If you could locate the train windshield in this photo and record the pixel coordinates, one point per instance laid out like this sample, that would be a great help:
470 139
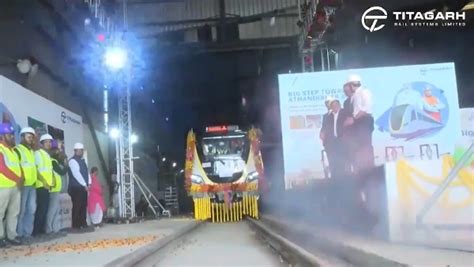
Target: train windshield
224 156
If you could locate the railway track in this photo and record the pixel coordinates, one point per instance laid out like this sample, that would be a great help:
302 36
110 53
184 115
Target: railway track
245 243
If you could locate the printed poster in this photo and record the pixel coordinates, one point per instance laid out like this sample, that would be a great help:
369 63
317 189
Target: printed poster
416 114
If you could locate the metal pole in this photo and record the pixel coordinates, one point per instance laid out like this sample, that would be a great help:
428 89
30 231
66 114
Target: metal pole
451 176
299 11
303 63
118 176
106 110
327 57
322 60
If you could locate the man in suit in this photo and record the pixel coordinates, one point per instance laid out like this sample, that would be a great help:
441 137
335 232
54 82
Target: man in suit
348 103
333 141
324 126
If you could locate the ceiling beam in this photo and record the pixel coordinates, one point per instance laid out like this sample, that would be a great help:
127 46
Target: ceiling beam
241 45
235 19
150 2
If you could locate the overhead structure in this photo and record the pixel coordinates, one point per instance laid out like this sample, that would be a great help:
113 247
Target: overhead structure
315 21
116 59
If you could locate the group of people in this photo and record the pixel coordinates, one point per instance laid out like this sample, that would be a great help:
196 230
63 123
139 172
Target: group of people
346 131
30 186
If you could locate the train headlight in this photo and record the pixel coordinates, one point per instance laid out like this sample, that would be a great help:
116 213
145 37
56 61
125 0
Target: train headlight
196 179
252 176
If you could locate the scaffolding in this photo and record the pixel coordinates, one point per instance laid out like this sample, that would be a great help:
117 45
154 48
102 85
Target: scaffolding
126 177
313 48
126 181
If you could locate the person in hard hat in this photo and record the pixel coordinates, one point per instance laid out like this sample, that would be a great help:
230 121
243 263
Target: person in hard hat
324 126
79 183
334 145
53 224
11 180
44 183
26 154
347 106
361 123
325 131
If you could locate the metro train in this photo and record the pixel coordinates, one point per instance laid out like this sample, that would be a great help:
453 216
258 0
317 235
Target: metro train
407 121
223 169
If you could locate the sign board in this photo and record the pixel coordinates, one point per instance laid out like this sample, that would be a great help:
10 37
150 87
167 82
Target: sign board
406 122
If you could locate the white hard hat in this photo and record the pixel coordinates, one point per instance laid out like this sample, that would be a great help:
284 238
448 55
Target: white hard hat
78 146
46 137
27 130
353 78
329 99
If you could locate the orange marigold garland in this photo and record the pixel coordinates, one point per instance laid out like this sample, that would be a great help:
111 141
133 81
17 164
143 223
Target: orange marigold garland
254 136
203 190
188 170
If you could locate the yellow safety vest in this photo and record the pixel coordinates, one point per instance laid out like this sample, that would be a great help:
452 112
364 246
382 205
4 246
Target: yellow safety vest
57 178
13 163
45 168
28 164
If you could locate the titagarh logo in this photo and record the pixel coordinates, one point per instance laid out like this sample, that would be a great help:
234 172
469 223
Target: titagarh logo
65 118
375 18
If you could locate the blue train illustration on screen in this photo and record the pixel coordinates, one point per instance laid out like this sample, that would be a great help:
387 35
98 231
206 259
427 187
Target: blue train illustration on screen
419 110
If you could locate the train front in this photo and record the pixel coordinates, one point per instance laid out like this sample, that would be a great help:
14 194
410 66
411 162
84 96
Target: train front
223 168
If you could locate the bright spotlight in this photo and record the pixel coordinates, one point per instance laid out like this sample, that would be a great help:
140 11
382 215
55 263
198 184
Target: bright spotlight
164 159
115 58
134 138
174 164
114 133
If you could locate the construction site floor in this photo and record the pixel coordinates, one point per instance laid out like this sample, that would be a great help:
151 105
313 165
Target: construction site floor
96 248
346 245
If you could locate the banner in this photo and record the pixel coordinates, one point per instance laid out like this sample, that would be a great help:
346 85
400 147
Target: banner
410 184
416 114
22 108
467 134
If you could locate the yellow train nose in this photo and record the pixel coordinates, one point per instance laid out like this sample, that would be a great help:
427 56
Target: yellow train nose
221 212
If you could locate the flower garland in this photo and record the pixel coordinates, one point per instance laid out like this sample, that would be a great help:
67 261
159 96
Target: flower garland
254 136
188 169
218 188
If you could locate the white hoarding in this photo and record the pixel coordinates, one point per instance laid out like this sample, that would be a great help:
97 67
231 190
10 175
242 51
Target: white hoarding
403 124
23 108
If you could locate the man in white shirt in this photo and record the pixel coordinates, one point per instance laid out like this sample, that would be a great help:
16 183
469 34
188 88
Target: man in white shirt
79 182
361 124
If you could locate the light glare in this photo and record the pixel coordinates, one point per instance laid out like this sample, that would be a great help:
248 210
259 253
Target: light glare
115 58
134 138
114 133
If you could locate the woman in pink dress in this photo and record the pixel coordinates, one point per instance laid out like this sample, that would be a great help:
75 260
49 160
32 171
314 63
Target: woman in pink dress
95 206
